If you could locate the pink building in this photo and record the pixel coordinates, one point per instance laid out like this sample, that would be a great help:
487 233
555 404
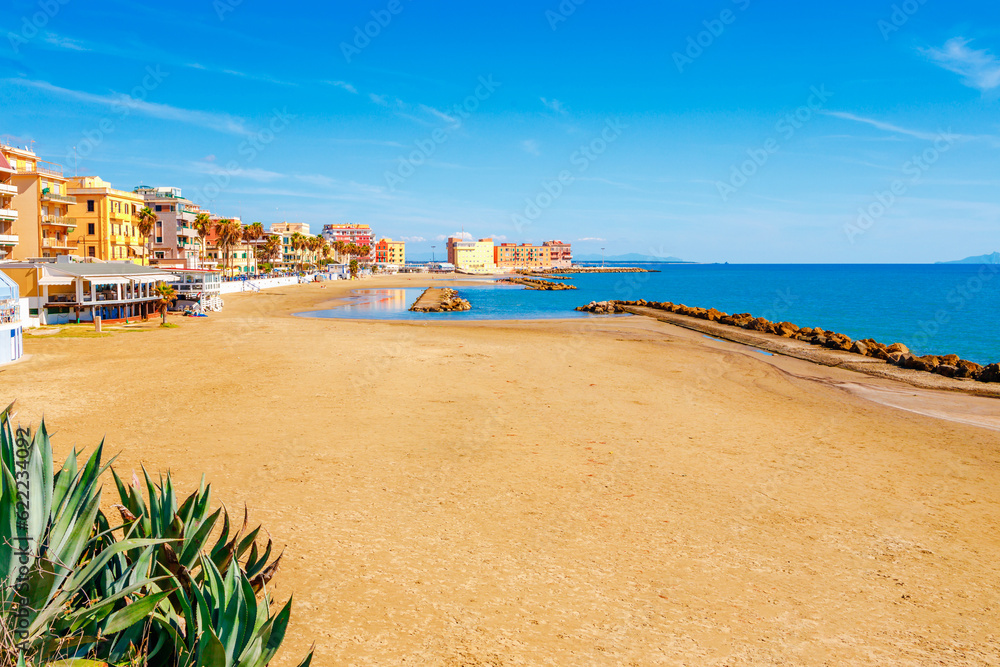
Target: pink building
561 254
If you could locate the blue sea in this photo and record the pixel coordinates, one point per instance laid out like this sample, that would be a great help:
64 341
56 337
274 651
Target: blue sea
933 309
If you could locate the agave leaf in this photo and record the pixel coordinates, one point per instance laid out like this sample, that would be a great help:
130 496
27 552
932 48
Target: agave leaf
267 574
212 653
196 543
132 614
308 659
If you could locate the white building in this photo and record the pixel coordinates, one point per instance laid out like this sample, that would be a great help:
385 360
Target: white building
11 326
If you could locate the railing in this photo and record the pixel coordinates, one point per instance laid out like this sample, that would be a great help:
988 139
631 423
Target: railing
45 172
8 239
8 213
59 220
55 243
53 196
8 189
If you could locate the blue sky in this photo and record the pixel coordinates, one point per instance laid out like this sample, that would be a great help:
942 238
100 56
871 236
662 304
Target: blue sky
733 130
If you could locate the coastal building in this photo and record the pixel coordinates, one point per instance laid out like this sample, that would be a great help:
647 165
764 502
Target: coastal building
292 258
61 291
290 228
198 290
236 261
174 235
106 221
8 214
11 325
390 252
560 253
524 256
41 226
359 235
471 256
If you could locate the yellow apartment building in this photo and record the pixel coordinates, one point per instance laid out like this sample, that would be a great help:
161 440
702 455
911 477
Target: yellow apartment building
41 226
106 221
471 256
524 256
392 252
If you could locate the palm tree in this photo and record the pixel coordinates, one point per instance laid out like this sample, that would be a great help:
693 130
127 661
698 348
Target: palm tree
147 221
365 251
270 250
299 243
324 249
228 234
167 296
339 247
203 225
253 233
354 268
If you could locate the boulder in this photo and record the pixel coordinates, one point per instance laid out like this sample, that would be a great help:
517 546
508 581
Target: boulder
860 347
946 370
967 369
990 374
899 347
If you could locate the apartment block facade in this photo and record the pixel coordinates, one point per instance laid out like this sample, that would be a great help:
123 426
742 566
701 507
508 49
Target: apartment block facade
392 252
106 221
42 226
359 235
524 256
174 235
471 256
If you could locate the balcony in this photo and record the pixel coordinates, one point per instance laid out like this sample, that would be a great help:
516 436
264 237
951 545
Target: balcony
59 221
188 232
8 189
62 244
53 197
8 214
8 239
42 171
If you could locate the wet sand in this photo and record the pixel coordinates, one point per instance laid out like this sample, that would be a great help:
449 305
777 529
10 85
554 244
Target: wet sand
578 492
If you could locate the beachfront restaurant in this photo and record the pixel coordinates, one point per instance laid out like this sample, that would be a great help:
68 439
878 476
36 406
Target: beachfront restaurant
70 292
198 289
11 327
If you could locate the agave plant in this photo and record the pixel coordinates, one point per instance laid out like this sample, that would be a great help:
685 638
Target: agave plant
55 553
161 595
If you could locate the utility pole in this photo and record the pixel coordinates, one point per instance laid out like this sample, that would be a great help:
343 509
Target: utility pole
602 258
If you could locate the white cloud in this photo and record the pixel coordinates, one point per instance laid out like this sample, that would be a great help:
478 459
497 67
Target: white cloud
123 103
465 236
888 127
589 238
379 99
978 69
344 86
498 237
555 105
451 120
530 146
414 239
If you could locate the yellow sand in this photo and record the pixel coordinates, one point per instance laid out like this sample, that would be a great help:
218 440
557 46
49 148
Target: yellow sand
599 492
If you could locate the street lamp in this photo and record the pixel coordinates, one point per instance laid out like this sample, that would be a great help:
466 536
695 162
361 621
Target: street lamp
432 253
602 258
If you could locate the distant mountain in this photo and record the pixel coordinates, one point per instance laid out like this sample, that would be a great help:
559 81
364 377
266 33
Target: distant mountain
630 257
993 258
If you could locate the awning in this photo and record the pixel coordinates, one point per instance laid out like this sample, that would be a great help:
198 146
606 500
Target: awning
154 279
49 278
107 280
4 165
138 249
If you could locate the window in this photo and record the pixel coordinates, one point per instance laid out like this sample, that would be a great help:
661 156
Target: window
91 251
159 239
159 209
90 207
90 229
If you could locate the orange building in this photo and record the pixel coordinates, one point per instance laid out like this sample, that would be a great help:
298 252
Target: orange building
524 256
40 227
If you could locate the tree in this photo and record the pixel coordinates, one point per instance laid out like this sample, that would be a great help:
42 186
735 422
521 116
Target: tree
298 243
252 233
167 295
339 247
365 251
228 234
324 249
354 268
147 221
203 225
270 250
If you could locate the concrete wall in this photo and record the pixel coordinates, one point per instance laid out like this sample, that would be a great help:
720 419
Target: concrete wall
237 286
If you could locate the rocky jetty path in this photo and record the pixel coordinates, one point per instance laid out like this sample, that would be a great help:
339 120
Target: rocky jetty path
440 300
530 283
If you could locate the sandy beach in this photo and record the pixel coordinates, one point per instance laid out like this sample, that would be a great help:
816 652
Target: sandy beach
608 491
